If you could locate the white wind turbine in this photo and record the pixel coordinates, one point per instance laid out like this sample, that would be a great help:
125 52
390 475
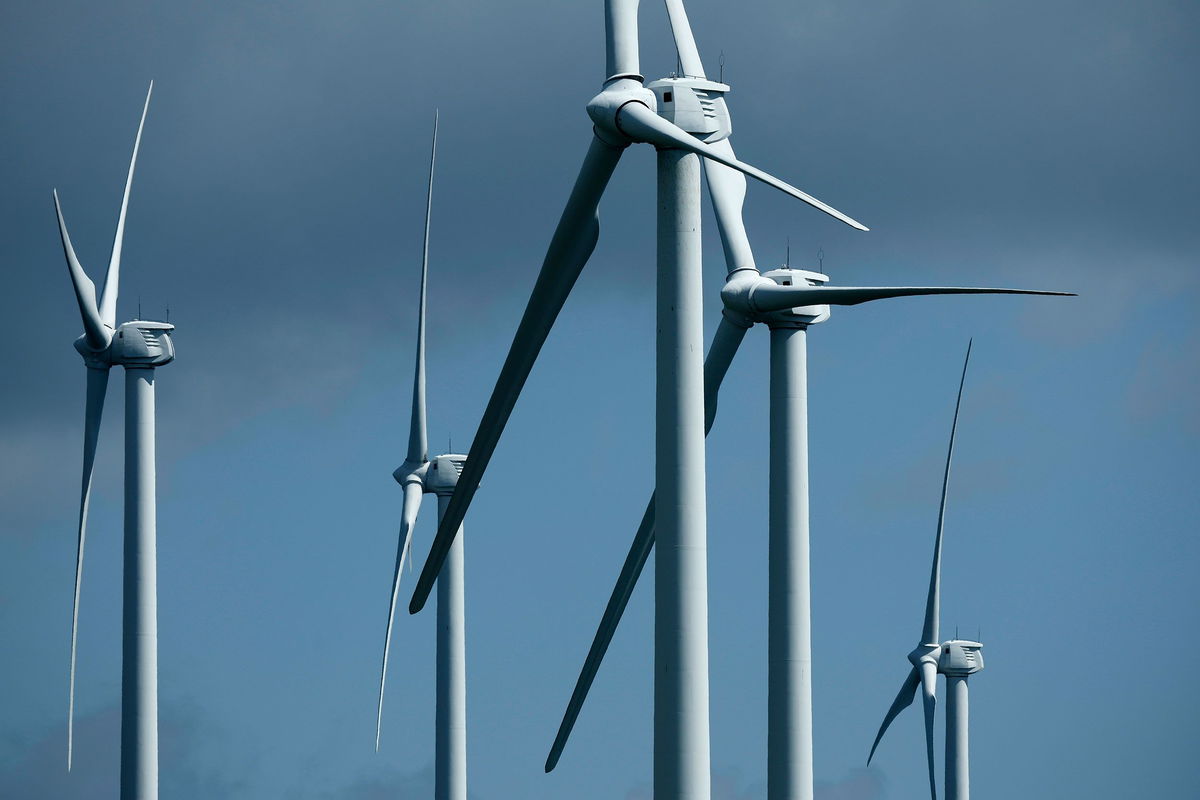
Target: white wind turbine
418 475
140 346
787 301
624 113
956 659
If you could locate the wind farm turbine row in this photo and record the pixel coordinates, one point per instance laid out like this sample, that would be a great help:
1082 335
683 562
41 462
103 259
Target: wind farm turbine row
686 118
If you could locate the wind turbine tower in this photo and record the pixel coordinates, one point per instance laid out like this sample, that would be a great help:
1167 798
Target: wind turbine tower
959 659
439 476
788 301
956 659
627 112
140 346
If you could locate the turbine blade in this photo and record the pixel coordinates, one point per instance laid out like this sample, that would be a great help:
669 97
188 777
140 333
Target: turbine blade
413 493
726 341
771 296
643 125
97 384
685 43
108 297
727 191
933 601
572 245
639 551
929 699
726 186
725 344
903 700
418 438
621 39
98 336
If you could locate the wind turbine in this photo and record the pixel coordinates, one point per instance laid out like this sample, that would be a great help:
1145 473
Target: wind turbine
418 475
956 659
139 346
787 301
624 113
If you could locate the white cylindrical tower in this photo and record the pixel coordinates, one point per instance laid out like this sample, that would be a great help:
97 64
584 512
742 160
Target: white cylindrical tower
789 613
450 759
957 660
139 651
681 738
958 773
789 636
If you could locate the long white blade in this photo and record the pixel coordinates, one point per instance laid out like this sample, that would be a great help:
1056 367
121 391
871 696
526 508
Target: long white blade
572 245
904 698
685 43
98 336
725 344
97 385
418 438
771 296
930 634
643 125
108 297
621 38
726 186
413 492
727 191
929 701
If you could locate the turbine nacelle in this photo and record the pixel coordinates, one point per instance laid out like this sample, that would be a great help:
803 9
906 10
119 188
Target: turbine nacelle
739 291
799 315
444 472
696 105
960 657
140 343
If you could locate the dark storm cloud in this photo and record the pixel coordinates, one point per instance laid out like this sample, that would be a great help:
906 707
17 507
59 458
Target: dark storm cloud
277 210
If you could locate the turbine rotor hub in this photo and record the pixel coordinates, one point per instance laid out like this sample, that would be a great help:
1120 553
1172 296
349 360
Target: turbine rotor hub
410 472
605 108
95 359
924 654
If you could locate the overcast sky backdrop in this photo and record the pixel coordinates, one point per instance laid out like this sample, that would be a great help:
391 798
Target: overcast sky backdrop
277 211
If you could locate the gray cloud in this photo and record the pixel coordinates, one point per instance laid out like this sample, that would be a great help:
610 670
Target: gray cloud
185 738
860 784
417 785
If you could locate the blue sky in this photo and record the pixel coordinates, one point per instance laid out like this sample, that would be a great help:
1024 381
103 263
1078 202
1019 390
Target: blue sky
277 211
